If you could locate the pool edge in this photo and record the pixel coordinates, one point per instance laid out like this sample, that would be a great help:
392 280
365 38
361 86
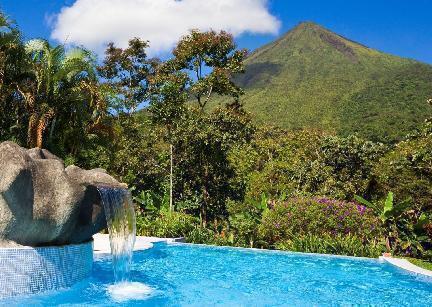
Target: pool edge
407 266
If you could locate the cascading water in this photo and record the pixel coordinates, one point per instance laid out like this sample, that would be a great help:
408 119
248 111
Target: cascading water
121 222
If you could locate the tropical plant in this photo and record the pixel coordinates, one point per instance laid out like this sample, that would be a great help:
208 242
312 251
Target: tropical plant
167 224
13 64
62 90
151 203
244 221
350 245
404 227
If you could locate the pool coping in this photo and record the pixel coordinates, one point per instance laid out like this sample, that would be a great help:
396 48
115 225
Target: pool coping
407 266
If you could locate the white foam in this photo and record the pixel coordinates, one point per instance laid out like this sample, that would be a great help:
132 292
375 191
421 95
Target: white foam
126 291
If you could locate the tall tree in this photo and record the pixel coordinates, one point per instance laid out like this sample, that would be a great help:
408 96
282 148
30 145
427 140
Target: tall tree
167 106
127 72
62 87
210 60
12 65
202 65
203 169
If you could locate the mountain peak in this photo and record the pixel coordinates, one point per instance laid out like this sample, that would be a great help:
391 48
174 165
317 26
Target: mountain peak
308 25
309 35
312 77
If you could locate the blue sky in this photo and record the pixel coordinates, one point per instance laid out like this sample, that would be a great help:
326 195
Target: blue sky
399 27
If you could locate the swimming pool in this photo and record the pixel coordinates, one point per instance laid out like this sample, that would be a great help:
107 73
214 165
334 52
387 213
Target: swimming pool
193 275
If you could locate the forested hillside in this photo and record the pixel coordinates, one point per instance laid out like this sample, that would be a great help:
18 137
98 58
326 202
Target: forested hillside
314 78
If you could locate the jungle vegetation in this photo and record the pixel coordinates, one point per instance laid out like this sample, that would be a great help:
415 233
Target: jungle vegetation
199 165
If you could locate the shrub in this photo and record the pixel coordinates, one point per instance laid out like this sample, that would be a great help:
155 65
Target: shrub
302 217
406 171
326 244
244 220
167 224
405 228
202 235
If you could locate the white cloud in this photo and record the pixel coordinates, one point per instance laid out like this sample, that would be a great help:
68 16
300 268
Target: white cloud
94 23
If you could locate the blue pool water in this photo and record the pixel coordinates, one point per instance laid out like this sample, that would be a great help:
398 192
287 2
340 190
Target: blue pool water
191 275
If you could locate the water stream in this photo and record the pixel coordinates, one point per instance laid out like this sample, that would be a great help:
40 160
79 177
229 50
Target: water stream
120 216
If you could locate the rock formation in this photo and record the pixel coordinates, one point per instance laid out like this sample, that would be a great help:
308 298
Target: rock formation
44 203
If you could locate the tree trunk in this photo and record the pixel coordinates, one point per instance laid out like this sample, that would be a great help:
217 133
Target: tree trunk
203 214
32 131
388 244
51 134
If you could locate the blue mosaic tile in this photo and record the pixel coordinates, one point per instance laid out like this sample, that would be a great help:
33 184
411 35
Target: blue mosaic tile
33 270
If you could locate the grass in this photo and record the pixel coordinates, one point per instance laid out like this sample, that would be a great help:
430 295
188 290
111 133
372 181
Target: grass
420 263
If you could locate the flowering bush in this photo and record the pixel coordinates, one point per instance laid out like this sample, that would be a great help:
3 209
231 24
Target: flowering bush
300 217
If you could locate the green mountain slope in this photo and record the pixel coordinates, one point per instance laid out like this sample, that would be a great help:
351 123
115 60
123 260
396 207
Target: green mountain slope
314 78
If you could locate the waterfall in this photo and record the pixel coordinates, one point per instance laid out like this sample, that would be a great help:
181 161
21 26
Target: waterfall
120 216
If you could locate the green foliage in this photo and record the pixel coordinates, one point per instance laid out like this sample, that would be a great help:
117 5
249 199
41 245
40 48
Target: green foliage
274 162
127 73
313 78
61 95
298 217
244 221
305 162
201 235
150 203
137 154
343 167
206 235
49 96
404 227
406 169
201 145
202 65
167 225
421 263
13 64
337 245
215 52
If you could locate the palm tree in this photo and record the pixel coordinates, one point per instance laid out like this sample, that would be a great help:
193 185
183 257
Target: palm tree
63 83
12 54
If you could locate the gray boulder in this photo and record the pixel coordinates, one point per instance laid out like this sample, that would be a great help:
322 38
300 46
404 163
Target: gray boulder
42 203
